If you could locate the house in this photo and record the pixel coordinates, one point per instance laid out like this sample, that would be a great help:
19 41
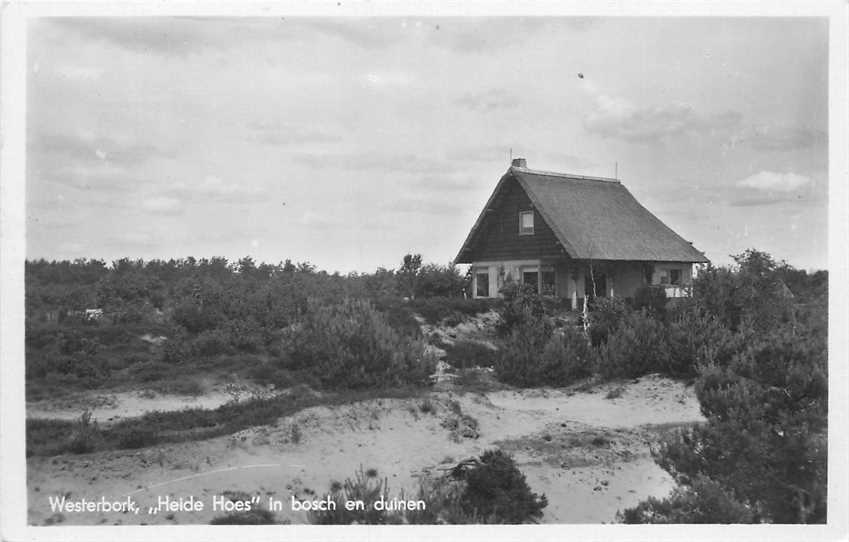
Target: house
574 237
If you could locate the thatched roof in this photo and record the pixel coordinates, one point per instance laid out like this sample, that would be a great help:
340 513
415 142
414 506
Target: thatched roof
596 218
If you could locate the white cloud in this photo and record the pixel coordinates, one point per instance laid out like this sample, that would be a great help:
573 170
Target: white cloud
771 180
616 117
79 73
387 79
162 205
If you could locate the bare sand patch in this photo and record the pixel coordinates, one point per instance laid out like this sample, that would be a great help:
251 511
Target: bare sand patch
554 435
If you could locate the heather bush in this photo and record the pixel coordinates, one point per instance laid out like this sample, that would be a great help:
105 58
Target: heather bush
653 299
464 354
496 490
606 315
519 305
520 357
437 309
703 501
367 487
254 516
86 435
351 345
695 339
568 356
211 342
638 346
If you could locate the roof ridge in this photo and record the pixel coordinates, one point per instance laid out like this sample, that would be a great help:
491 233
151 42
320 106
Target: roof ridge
565 175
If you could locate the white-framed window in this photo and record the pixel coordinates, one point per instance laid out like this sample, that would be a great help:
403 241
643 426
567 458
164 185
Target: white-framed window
526 222
482 283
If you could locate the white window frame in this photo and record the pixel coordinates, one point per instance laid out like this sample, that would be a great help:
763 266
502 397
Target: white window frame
522 230
482 271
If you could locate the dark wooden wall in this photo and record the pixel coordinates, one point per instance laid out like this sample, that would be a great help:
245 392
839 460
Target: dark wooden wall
498 237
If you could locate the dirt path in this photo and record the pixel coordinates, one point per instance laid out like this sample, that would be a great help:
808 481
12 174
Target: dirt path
588 453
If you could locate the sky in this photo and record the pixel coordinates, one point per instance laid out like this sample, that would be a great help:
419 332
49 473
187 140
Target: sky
351 142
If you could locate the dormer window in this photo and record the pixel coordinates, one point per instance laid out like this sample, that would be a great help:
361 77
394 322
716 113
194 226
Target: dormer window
526 223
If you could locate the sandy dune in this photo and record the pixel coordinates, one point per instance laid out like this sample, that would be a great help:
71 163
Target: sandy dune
587 453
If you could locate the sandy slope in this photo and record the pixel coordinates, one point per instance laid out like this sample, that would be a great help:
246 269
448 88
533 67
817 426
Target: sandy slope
108 407
587 453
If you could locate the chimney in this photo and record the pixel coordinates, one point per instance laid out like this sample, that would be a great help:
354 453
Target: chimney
520 162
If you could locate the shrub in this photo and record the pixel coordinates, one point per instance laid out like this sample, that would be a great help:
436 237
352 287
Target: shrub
211 342
696 339
519 359
86 435
519 304
436 280
606 315
637 346
568 356
704 501
365 487
134 437
254 516
351 345
496 490
443 495
437 309
465 354
652 299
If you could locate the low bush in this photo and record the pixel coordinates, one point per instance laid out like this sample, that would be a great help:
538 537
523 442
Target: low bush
703 501
211 342
519 360
568 356
254 516
436 309
86 435
367 487
132 437
496 490
350 345
466 354
652 299
519 304
637 346
606 315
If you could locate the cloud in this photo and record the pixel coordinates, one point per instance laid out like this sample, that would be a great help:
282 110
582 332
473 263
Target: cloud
490 100
215 189
777 182
88 148
372 161
172 36
387 79
162 205
759 201
772 137
445 183
366 32
618 118
276 134
476 35
421 206
79 73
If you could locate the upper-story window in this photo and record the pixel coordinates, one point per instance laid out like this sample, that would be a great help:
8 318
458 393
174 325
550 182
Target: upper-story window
526 223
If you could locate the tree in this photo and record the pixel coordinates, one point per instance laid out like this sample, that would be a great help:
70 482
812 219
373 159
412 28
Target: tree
408 274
